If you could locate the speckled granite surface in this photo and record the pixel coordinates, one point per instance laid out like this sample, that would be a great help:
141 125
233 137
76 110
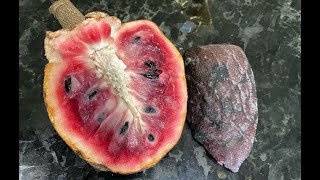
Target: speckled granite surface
268 31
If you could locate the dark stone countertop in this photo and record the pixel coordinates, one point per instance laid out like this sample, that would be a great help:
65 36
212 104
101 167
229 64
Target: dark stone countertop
268 31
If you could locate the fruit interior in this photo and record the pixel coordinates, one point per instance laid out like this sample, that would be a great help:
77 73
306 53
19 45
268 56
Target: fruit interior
116 94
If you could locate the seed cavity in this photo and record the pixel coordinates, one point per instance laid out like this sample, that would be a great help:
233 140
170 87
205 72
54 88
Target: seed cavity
92 94
152 65
150 109
124 128
150 137
152 75
67 84
101 117
136 39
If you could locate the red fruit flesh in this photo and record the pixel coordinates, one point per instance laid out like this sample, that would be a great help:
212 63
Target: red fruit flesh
116 94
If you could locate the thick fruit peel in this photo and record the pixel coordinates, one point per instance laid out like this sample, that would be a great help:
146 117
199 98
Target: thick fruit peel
222 108
116 93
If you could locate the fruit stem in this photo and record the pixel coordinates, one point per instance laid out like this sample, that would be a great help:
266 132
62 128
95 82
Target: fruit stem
66 13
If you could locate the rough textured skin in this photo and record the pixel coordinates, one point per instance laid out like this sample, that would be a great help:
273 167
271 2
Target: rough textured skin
222 107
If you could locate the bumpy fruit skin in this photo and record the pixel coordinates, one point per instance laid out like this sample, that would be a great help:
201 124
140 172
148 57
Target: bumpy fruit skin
59 118
222 104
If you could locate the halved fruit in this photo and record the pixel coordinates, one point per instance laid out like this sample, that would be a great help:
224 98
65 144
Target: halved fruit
115 93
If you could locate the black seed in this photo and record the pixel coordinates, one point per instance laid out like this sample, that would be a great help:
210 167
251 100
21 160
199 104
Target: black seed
151 65
124 128
149 109
151 137
67 84
136 39
151 75
91 95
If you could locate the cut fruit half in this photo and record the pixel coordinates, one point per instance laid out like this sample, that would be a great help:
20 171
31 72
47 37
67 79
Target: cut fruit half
115 93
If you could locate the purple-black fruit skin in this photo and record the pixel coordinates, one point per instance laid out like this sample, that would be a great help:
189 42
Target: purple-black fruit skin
222 106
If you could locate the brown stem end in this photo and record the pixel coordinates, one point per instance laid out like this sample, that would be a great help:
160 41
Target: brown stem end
66 13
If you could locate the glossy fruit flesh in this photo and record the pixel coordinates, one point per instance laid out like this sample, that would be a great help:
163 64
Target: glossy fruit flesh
115 93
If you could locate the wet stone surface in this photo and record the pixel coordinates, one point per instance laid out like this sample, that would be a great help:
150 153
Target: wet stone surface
269 33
